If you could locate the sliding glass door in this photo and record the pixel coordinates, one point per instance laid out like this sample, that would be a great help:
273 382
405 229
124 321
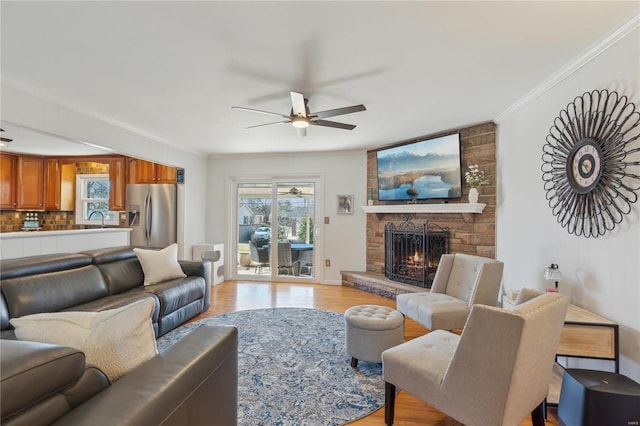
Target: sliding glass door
275 232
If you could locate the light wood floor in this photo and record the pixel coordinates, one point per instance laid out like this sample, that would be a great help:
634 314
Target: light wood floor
231 296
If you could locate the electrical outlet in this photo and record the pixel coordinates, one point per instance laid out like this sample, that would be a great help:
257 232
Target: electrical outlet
326 220
327 262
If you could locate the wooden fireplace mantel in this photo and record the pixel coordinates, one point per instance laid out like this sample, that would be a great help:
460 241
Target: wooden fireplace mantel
426 208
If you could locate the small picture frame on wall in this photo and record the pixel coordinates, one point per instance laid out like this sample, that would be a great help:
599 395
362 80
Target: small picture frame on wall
345 204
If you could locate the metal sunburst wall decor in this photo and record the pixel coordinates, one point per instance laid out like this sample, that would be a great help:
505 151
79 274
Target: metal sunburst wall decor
591 163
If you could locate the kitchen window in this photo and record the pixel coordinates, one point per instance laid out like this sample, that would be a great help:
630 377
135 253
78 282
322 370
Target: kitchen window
92 201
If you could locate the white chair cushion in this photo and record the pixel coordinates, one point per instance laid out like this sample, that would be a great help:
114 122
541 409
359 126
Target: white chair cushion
426 358
434 310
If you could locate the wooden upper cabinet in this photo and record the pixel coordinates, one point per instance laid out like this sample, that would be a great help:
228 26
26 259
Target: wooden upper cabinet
141 171
67 186
30 183
145 171
7 181
117 184
165 174
52 184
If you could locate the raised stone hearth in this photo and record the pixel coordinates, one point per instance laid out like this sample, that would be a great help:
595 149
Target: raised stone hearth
377 284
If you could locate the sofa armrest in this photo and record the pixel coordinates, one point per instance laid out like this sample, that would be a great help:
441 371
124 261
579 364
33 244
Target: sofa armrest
41 381
194 380
202 269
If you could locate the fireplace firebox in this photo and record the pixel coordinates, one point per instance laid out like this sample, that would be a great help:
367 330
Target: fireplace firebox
413 251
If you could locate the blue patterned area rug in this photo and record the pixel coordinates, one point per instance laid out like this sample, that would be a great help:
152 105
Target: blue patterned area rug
294 369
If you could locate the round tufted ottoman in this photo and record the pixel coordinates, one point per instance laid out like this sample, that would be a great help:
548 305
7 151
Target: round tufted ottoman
371 330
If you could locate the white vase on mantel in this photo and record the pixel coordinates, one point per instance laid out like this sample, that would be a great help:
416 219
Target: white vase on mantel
473 195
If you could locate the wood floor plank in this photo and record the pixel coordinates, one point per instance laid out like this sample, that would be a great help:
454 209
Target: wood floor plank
231 296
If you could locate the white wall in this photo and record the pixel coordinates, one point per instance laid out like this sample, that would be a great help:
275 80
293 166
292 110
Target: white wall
602 275
33 111
344 238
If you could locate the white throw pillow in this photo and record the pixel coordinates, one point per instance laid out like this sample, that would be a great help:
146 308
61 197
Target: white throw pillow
115 340
159 265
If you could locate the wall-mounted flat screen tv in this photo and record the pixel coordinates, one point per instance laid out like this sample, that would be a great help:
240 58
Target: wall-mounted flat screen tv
421 170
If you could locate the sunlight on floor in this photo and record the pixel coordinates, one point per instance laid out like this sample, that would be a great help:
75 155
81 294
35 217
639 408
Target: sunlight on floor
271 295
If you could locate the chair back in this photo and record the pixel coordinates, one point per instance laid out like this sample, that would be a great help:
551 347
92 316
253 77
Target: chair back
473 279
501 368
259 255
284 254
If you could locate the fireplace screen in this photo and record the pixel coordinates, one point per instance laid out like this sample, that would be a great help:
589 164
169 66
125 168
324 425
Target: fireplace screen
412 252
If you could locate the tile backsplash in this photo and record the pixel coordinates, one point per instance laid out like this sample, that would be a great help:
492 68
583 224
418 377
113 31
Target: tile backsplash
12 221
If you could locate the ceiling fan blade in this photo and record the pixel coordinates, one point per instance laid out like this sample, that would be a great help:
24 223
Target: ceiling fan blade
302 131
335 124
297 103
261 112
268 124
339 111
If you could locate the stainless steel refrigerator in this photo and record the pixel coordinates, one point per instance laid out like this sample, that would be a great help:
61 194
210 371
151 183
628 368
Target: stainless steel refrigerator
152 211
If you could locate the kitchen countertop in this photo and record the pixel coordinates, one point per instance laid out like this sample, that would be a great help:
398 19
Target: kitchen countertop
27 234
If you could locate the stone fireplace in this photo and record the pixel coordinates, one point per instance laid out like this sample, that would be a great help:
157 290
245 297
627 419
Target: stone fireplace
413 251
470 232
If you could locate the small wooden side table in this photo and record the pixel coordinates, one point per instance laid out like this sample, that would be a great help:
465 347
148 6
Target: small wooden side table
584 335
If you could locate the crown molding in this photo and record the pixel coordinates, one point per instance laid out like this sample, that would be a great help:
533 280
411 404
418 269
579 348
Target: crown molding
591 53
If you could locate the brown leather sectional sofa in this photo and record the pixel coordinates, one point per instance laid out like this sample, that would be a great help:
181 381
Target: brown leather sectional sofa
193 382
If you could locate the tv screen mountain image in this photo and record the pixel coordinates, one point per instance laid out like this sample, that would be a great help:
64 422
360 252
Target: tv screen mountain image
430 167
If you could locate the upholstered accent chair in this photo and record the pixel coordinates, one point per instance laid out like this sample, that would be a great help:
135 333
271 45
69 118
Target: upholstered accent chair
495 373
461 281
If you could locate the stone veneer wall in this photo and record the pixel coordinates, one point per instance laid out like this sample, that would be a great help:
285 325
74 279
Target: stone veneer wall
471 233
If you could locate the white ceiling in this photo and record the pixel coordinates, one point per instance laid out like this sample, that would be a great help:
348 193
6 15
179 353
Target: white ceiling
174 69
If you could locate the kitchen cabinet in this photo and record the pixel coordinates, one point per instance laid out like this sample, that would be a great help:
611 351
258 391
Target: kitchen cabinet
7 181
30 183
165 174
117 180
52 184
67 187
141 171
117 183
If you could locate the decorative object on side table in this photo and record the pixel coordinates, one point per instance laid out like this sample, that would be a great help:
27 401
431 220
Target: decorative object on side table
552 273
589 163
474 178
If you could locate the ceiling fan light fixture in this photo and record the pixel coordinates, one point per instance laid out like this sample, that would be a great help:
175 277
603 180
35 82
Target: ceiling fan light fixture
300 122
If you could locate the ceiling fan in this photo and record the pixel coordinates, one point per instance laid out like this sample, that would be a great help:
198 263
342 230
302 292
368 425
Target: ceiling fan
294 192
301 117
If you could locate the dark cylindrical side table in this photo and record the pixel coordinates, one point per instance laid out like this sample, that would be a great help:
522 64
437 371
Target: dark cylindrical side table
595 398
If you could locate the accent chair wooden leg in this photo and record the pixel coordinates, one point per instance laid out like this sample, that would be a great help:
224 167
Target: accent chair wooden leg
354 362
537 415
389 402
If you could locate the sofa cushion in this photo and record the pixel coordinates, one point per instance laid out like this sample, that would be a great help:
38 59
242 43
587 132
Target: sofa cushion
41 382
42 264
120 267
115 340
159 265
32 371
176 293
53 291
